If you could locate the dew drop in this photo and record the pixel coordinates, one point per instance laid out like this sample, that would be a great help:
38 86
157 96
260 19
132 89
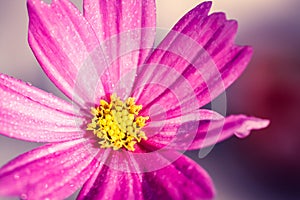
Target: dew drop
16 176
51 150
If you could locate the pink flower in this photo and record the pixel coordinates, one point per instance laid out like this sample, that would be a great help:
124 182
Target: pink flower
122 150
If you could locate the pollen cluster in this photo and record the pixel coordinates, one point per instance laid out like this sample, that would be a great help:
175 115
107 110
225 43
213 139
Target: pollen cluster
117 124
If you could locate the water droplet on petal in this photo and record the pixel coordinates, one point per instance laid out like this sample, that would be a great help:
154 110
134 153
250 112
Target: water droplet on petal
16 176
51 150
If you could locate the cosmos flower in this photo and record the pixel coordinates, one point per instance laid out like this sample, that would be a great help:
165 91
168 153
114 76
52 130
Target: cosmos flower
133 109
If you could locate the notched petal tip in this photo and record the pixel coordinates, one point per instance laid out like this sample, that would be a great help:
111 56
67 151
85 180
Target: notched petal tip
233 24
246 56
206 4
202 9
249 50
34 3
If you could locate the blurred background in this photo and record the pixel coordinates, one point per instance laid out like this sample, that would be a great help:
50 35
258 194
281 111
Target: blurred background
265 165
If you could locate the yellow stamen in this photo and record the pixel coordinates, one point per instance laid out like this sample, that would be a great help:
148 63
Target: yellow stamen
117 124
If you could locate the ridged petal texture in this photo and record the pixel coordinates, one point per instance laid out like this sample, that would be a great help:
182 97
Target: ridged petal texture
53 171
28 113
181 179
194 63
63 42
182 134
126 30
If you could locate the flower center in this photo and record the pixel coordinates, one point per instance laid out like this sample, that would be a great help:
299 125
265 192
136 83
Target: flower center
117 124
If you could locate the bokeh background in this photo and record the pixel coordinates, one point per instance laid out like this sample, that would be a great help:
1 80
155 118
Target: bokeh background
266 165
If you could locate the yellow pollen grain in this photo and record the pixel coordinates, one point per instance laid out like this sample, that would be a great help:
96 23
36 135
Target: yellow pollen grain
117 124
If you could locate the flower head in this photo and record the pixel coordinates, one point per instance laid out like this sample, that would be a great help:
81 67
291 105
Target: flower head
132 107
117 123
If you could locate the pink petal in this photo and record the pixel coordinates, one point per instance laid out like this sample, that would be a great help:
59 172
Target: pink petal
109 18
126 30
171 132
28 113
111 179
179 178
182 179
106 183
210 133
189 135
67 49
53 171
194 63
